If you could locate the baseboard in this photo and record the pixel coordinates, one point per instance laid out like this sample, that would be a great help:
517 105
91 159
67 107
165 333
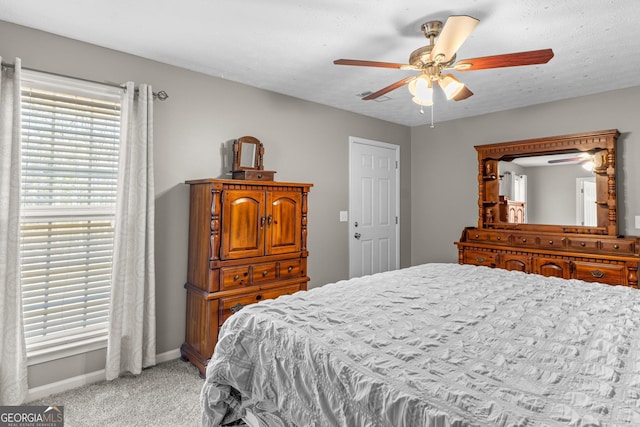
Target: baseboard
168 355
89 378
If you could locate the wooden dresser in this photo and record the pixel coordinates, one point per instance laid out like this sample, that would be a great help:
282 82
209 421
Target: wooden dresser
247 243
606 259
591 253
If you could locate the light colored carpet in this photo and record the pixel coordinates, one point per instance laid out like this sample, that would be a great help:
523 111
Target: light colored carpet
167 394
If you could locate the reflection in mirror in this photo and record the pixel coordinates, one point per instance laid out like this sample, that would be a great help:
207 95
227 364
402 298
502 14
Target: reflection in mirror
551 189
248 155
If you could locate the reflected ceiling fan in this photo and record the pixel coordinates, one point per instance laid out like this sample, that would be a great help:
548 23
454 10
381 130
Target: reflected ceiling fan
440 55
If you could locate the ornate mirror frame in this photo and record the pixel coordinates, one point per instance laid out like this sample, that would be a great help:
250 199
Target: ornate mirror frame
247 154
600 144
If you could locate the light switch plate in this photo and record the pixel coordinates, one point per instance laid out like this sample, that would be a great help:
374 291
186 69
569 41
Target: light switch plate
638 222
344 216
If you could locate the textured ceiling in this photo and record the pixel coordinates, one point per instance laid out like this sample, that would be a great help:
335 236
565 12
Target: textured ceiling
289 46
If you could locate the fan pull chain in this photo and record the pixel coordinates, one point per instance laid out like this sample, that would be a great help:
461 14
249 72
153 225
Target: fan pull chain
432 125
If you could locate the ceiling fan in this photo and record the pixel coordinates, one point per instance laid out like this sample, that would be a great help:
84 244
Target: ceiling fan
440 55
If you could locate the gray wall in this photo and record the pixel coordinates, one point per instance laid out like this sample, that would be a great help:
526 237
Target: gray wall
551 193
304 142
446 154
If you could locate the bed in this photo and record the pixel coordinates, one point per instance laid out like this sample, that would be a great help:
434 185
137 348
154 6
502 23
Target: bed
432 345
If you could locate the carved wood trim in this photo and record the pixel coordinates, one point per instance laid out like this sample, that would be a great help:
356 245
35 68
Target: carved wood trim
554 144
215 225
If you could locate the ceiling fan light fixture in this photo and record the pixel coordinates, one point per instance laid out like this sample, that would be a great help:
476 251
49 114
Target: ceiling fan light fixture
422 90
419 101
451 86
589 164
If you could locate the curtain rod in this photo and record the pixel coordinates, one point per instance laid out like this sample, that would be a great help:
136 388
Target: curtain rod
161 95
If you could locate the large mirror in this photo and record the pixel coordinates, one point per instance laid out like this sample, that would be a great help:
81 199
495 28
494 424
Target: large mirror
564 183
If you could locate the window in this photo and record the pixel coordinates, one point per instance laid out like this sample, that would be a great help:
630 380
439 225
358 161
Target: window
70 143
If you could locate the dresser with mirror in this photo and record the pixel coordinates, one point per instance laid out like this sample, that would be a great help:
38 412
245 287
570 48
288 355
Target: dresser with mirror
567 228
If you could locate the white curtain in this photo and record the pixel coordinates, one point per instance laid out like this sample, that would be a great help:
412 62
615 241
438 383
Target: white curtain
132 321
13 353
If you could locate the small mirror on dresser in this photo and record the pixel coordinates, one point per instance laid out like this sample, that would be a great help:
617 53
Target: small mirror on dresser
248 154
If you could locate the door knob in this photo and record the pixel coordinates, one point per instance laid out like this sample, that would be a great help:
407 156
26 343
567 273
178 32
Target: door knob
357 236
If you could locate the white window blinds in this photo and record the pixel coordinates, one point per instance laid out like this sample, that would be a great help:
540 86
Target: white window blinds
70 142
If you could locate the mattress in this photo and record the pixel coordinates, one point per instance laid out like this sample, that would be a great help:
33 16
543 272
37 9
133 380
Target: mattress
432 345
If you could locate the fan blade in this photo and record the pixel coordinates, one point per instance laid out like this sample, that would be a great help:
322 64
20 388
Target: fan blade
507 60
454 33
463 94
389 88
570 159
369 63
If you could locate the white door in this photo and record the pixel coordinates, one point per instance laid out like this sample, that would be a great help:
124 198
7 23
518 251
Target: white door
586 202
373 207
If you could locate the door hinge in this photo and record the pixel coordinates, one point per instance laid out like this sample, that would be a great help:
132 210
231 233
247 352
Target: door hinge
396 220
396 164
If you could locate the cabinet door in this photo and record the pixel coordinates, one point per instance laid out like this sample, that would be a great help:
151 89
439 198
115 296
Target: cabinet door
552 267
515 262
284 222
243 224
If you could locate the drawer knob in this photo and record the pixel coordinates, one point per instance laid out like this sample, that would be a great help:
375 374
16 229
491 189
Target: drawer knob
582 243
236 277
597 274
524 240
480 259
258 297
264 273
477 235
236 308
290 269
616 246
551 242
499 237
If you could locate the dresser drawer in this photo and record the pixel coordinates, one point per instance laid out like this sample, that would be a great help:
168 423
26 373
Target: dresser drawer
521 239
290 268
618 246
487 259
231 305
582 243
477 236
234 277
264 272
612 274
551 241
488 236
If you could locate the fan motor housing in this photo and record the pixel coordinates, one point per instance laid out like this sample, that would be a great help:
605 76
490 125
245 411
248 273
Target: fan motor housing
431 28
421 56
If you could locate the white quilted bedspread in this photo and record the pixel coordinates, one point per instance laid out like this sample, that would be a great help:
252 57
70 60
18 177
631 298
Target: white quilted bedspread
432 345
